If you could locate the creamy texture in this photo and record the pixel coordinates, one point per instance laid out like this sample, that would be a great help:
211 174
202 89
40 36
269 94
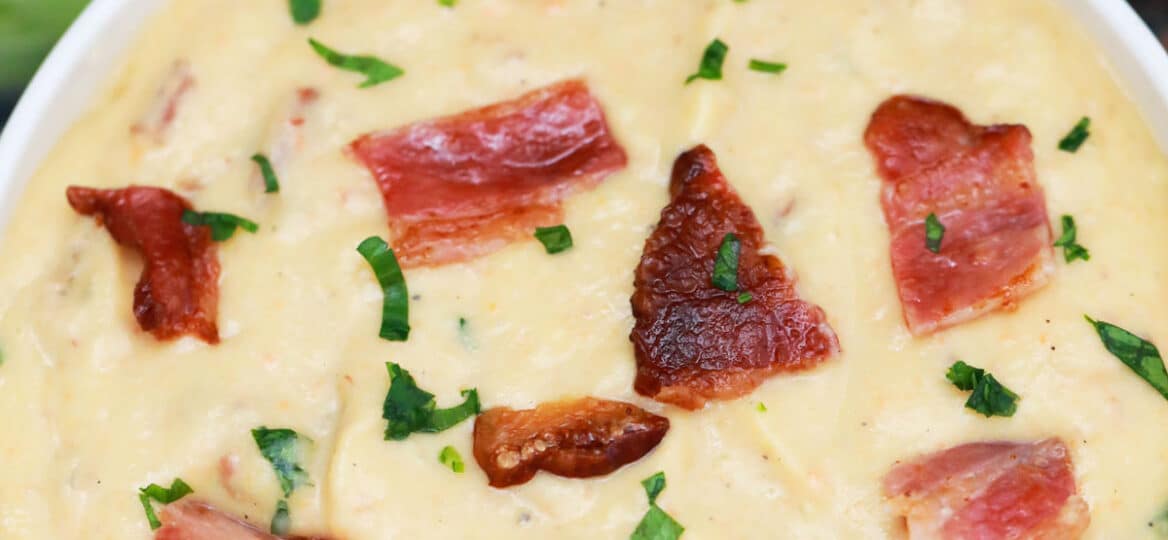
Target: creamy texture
94 408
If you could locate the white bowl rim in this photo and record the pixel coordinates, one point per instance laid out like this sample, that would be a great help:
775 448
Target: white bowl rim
1140 60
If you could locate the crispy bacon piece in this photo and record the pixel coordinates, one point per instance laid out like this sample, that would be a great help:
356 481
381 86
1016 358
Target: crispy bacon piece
981 183
189 519
178 292
695 342
155 123
464 186
285 136
578 439
990 491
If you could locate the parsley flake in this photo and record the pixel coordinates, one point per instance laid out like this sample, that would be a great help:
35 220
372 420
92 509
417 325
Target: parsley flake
1076 137
767 67
1071 249
304 11
989 397
271 183
447 3
1138 354
222 225
745 297
375 69
409 409
934 233
656 525
711 65
281 521
395 305
451 458
281 448
554 239
178 489
725 275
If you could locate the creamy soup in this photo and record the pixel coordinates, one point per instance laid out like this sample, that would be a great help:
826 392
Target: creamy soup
95 408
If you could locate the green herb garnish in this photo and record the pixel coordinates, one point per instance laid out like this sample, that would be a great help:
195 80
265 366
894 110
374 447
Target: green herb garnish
554 239
447 3
989 397
409 409
1071 249
464 334
395 306
761 407
280 447
725 275
222 225
712 59
1141 356
656 525
375 70
281 521
767 67
450 458
1076 136
745 297
304 11
934 233
271 183
178 489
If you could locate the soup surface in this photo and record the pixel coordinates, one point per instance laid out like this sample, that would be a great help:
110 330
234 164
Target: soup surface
95 408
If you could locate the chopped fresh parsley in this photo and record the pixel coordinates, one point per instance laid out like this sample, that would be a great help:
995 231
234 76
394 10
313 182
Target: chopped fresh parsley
304 11
447 3
1159 524
271 183
375 70
1071 249
395 306
656 525
281 448
712 59
281 521
178 489
222 225
989 397
554 239
745 297
934 232
464 334
450 458
1076 136
767 67
725 275
1140 355
761 407
409 409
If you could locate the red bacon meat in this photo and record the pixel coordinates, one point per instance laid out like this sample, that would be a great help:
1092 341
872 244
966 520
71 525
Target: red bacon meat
155 122
981 183
194 520
695 342
178 292
578 439
460 187
990 491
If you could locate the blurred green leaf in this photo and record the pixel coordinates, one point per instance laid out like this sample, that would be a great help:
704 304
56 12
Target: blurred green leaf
28 29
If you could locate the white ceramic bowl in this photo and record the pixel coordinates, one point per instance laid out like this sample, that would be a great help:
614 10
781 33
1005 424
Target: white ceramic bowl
80 64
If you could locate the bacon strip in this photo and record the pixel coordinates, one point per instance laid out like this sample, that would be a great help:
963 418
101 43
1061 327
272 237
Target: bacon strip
285 136
189 519
157 120
178 292
990 491
578 439
694 342
464 186
981 183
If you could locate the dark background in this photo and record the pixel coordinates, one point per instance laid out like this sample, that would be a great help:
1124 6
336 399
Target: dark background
1155 12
